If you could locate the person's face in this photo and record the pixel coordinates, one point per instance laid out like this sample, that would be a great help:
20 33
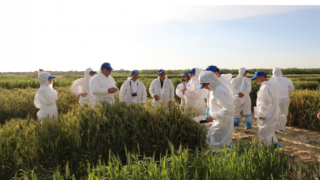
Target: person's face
105 72
218 74
206 86
245 74
50 81
134 77
260 79
162 76
192 75
185 78
91 75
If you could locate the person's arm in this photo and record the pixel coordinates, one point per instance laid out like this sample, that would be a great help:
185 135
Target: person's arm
179 93
290 86
234 84
196 92
143 93
171 90
223 99
123 92
266 103
96 88
75 86
152 89
247 89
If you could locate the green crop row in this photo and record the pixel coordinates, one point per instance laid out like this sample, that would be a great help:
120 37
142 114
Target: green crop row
86 134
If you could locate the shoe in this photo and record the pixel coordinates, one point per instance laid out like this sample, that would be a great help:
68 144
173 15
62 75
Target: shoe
248 126
236 121
277 145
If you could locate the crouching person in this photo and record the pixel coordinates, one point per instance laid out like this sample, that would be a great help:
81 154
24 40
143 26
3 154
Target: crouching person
268 108
133 91
46 98
221 110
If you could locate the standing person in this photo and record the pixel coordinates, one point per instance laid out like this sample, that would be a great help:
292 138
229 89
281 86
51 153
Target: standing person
242 100
180 88
268 108
221 111
132 90
193 95
46 98
285 86
82 87
103 86
161 89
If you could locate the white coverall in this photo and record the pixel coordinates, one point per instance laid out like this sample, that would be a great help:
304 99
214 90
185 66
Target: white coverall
285 86
46 98
268 108
242 84
221 110
165 94
82 85
180 94
99 86
128 88
194 96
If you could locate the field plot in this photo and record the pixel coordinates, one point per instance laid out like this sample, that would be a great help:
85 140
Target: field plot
140 142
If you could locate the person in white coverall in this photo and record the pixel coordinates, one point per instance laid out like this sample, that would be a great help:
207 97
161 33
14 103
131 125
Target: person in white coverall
221 111
268 108
285 86
103 86
161 89
194 96
132 90
181 88
82 87
242 100
46 98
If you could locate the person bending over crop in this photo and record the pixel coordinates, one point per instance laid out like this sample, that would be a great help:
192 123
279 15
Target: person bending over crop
161 89
268 108
221 110
103 86
82 87
46 98
132 90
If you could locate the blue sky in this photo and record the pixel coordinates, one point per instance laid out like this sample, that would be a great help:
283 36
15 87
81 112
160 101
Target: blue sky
76 36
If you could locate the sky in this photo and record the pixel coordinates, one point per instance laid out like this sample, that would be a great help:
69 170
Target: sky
76 34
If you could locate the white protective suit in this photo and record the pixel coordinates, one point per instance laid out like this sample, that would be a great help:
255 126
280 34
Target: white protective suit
99 86
242 84
165 94
268 107
221 109
285 86
180 94
195 96
82 85
129 87
46 98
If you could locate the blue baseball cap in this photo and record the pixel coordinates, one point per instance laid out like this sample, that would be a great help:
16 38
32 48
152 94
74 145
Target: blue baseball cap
257 74
134 72
211 68
51 77
106 66
185 74
221 72
247 71
92 72
160 71
193 71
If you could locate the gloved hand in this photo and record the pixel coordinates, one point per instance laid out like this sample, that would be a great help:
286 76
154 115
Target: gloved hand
207 112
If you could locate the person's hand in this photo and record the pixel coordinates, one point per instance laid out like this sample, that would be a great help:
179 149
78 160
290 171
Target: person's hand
83 94
318 116
261 117
156 97
184 89
112 90
209 118
241 95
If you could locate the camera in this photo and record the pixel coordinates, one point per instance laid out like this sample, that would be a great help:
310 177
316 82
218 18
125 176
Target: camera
134 94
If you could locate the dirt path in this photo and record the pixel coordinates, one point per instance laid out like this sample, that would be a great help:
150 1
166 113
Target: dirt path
302 143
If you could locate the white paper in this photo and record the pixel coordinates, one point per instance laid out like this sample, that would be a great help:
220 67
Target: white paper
202 117
256 111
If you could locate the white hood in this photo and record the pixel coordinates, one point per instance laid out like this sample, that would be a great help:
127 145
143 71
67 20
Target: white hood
210 77
277 72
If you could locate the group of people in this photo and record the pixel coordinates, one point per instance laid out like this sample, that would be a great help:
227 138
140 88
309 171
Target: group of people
211 92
